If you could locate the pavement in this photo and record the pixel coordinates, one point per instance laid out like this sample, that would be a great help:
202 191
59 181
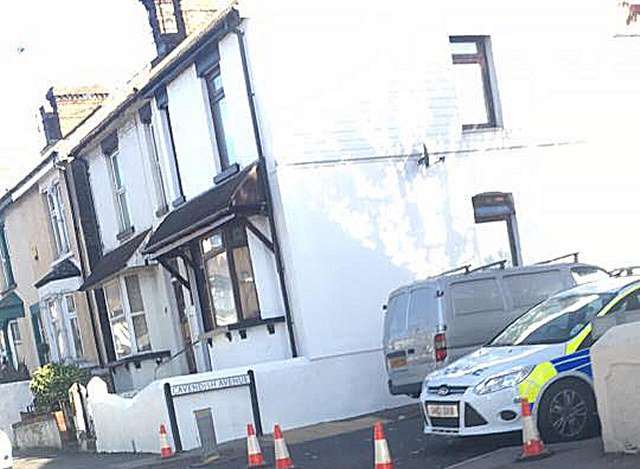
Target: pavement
345 444
586 454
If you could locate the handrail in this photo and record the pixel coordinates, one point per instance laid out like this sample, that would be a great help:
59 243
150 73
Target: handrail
501 263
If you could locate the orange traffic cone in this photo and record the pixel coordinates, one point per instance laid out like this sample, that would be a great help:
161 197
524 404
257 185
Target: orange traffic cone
165 447
532 445
283 460
256 459
383 456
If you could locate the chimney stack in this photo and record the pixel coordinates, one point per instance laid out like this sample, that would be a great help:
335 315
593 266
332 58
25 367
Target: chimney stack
66 108
172 21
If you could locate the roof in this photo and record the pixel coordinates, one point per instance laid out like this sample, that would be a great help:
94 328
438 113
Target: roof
113 262
608 285
241 191
60 271
11 307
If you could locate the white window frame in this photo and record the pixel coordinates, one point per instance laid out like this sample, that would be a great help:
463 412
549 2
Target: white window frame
46 322
57 219
119 192
156 167
72 316
128 315
13 325
8 280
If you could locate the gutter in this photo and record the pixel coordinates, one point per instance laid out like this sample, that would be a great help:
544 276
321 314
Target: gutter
267 190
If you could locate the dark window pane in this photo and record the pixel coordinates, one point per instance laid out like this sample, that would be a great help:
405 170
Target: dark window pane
142 333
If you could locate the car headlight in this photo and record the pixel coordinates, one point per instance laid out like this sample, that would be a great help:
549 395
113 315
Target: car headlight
503 381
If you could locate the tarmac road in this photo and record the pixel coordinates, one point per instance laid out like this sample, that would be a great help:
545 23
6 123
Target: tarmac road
344 444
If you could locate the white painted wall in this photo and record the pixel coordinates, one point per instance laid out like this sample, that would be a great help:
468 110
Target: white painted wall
330 383
16 397
344 116
192 132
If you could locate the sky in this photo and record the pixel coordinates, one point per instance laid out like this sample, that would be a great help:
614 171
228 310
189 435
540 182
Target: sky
64 43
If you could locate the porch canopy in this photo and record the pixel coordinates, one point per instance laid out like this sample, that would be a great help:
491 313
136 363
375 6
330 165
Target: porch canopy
113 262
240 194
61 271
11 307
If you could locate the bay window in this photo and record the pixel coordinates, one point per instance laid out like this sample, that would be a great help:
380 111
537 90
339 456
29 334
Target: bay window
76 336
229 274
127 316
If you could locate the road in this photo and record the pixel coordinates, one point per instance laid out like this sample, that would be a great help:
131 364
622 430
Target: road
339 445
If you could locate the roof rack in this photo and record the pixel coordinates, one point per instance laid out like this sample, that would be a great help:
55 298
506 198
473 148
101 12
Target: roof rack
501 264
624 271
453 271
549 261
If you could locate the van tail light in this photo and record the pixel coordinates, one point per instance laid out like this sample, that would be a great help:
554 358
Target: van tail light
440 346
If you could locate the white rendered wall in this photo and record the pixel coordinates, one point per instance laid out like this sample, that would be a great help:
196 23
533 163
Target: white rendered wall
16 397
344 117
134 169
123 424
192 132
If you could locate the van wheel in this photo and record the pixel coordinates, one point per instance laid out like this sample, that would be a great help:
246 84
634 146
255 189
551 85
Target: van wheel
567 412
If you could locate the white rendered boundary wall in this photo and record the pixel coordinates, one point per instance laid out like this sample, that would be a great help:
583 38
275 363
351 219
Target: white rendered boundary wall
293 393
15 398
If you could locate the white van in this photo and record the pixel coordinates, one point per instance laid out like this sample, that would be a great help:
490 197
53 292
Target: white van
432 322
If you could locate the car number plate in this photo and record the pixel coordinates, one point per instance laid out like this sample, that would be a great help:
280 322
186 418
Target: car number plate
397 362
442 410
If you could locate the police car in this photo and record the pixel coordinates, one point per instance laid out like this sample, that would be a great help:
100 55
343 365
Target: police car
543 356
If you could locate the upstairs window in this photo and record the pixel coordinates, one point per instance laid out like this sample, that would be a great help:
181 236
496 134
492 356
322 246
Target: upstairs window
119 192
220 115
475 88
156 169
229 274
5 262
57 220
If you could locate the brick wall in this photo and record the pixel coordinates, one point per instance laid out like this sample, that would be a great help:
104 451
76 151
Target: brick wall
198 13
76 104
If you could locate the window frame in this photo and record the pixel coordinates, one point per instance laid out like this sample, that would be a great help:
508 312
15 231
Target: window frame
17 338
483 59
57 220
128 315
215 97
8 279
156 168
225 231
119 191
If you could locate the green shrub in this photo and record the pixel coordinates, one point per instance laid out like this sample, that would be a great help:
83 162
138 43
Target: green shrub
50 384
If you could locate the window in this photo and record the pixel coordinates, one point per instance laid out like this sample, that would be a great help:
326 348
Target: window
119 192
76 336
15 332
7 272
136 306
166 14
530 289
473 81
60 342
476 296
220 115
57 220
156 169
586 274
229 274
127 316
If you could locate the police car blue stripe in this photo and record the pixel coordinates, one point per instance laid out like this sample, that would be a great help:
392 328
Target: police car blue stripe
572 356
586 369
570 365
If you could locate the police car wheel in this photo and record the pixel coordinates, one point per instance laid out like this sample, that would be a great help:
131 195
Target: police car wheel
567 412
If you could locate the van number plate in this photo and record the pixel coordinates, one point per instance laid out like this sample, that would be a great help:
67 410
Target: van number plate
442 410
397 362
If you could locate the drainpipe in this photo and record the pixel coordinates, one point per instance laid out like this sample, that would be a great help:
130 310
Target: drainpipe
76 231
267 189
